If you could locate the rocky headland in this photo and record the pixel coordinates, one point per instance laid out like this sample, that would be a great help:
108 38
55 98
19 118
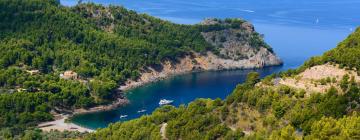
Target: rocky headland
238 48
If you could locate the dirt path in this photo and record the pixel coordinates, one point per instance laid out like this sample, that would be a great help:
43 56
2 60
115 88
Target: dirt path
163 131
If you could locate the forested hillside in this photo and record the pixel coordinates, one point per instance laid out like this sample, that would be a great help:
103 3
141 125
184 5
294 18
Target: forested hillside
105 46
55 58
263 109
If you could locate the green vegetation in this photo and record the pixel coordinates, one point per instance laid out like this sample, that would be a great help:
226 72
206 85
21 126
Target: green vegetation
346 55
196 121
267 111
279 109
39 135
104 46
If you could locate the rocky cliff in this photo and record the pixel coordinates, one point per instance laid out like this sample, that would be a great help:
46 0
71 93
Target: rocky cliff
241 42
239 47
235 45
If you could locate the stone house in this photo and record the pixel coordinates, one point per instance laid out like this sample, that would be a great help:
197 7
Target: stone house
69 75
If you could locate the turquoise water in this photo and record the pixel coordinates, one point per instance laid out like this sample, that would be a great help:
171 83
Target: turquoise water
296 30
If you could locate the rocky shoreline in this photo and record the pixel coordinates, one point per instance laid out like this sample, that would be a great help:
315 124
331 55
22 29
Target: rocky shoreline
236 50
61 120
119 102
198 63
188 64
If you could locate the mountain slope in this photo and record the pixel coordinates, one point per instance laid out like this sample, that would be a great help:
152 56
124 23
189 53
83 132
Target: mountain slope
55 59
266 109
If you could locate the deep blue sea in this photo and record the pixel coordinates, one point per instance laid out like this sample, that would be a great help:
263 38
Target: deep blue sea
296 29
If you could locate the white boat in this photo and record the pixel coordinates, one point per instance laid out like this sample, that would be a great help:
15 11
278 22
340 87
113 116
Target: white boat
165 102
123 116
141 111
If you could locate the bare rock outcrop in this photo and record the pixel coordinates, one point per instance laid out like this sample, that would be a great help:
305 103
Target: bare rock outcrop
237 39
319 79
240 47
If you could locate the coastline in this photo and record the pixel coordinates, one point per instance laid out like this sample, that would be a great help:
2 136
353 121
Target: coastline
119 102
188 64
61 125
233 53
62 122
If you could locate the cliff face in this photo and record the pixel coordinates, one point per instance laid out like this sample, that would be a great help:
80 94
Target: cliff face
237 45
213 44
237 49
240 43
197 62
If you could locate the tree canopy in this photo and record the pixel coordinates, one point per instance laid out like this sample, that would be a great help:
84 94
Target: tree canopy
104 46
264 111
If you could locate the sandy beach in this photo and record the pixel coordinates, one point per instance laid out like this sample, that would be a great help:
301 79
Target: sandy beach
60 125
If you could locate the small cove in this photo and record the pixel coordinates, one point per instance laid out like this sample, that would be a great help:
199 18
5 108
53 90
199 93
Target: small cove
291 29
182 89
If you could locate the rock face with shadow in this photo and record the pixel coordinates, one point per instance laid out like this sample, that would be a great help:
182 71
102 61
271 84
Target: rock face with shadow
239 43
237 47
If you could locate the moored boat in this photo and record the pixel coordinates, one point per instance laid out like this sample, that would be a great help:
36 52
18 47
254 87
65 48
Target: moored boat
123 116
165 102
141 111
